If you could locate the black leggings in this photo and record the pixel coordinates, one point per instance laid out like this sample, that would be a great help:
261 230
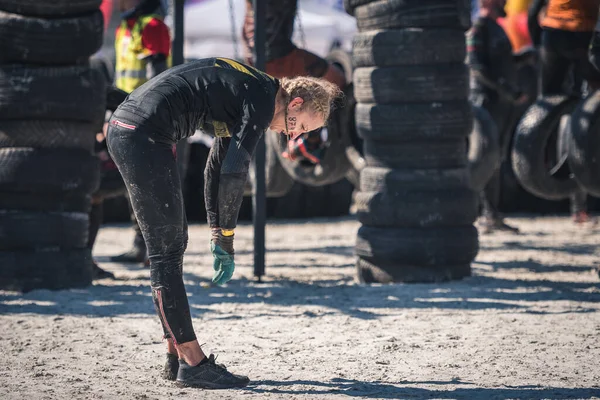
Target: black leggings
150 172
561 51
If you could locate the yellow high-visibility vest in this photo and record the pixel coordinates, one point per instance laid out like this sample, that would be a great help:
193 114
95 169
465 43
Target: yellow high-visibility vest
130 68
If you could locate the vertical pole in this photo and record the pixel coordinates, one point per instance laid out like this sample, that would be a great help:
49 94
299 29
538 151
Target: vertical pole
259 197
177 57
177 52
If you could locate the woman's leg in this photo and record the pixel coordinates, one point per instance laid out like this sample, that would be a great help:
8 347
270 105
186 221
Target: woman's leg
151 176
554 67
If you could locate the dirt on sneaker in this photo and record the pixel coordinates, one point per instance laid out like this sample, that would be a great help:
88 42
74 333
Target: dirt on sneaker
526 325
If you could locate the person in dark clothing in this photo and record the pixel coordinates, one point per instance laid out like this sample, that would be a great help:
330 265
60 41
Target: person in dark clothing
564 37
142 51
493 87
285 59
236 103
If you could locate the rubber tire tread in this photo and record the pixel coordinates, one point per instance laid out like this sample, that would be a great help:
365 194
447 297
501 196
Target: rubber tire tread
49 134
55 270
368 272
343 59
350 5
398 207
380 179
411 84
529 148
45 171
54 8
450 245
27 230
398 155
584 144
396 14
411 46
72 93
57 41
484 149
414 121
63 202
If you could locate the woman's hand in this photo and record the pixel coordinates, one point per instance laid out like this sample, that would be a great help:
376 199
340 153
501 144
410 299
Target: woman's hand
221 247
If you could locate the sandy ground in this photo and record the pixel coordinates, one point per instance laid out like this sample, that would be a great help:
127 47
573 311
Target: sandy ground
525 325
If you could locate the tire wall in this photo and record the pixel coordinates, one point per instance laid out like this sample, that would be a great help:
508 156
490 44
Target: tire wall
52 104
415 204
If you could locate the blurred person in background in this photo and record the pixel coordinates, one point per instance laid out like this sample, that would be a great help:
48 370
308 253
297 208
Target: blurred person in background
564 36
494 87
142 49
236 103
285 59
515 25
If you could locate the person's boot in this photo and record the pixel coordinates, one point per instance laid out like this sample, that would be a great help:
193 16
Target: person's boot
489 224
208 375
99 273
137 254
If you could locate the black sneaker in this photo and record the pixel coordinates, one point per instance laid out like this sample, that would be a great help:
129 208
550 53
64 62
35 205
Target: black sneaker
171 367
209 375
99 273
135 255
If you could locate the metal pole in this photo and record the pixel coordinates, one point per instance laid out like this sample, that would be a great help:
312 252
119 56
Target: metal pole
259 197
177 57
177 42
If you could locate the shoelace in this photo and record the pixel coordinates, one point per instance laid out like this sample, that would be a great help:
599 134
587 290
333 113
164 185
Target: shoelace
213 360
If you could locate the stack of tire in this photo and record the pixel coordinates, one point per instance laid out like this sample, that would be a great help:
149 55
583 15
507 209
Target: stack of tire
51 107
411 85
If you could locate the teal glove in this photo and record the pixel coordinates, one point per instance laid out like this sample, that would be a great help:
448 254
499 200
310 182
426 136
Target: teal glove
224 263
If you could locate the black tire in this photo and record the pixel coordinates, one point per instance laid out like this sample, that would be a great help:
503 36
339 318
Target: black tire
412 46
334 165
439 154
399 207
54 8
343 60
57 41
357 164
74 93
47 202
584 144
51 269
397 272
48 171
395 14
484 149
456 245
30 230
48 134
350 5
354 146
278 182
380 179
529 151
414 121
411 84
